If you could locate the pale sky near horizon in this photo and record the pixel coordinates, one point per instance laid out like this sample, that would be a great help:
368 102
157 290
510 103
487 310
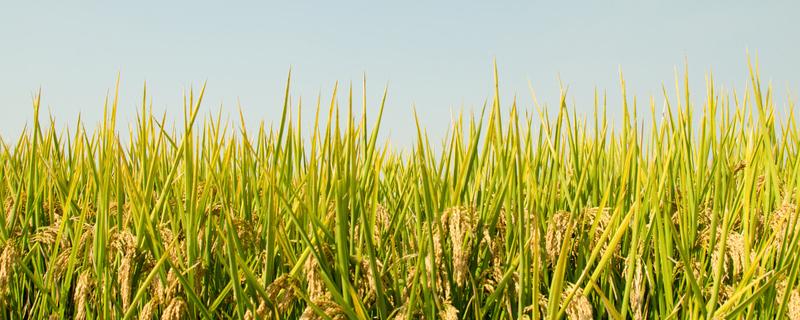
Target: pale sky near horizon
436 56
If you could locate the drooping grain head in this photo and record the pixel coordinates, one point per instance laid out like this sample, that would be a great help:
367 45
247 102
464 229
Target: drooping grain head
706 213
448 312
409 279
246 233
60 264
382 218
556 235
124 279
328 307
8 259
535 242
735 252
367 282
739 166
316 288
601 218
147 311
462 223
760 181
124 243
261 311
780 223
9 206
83 293
733 258
46 236
579 308
435 260
281 292
637 292
175 310
794 305
172 287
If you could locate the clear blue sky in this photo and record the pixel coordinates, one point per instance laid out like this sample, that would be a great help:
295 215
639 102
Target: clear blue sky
436 56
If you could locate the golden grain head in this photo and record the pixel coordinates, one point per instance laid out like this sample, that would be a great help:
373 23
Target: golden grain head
597 219
123 242
556 235
8 259
124 279
461 222
281 292
175 310
637 292
794 305
9 205
735 252
579 308
436 259
86 238
739 166
261 311
328 307
382 218
780 222
438 250
173 286
46 235
314 284
83 293
367 282
245 232
448 312
147 311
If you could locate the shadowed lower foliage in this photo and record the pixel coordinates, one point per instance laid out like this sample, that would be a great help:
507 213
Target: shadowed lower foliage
545 214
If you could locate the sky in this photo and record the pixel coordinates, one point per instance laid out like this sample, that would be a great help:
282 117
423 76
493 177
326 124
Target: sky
435 58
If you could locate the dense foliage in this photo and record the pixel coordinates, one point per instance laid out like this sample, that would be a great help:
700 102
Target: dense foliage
514 215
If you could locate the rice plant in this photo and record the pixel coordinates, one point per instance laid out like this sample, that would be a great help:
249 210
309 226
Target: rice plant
518 213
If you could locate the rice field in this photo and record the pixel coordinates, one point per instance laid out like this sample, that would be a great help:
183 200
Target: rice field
520 212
